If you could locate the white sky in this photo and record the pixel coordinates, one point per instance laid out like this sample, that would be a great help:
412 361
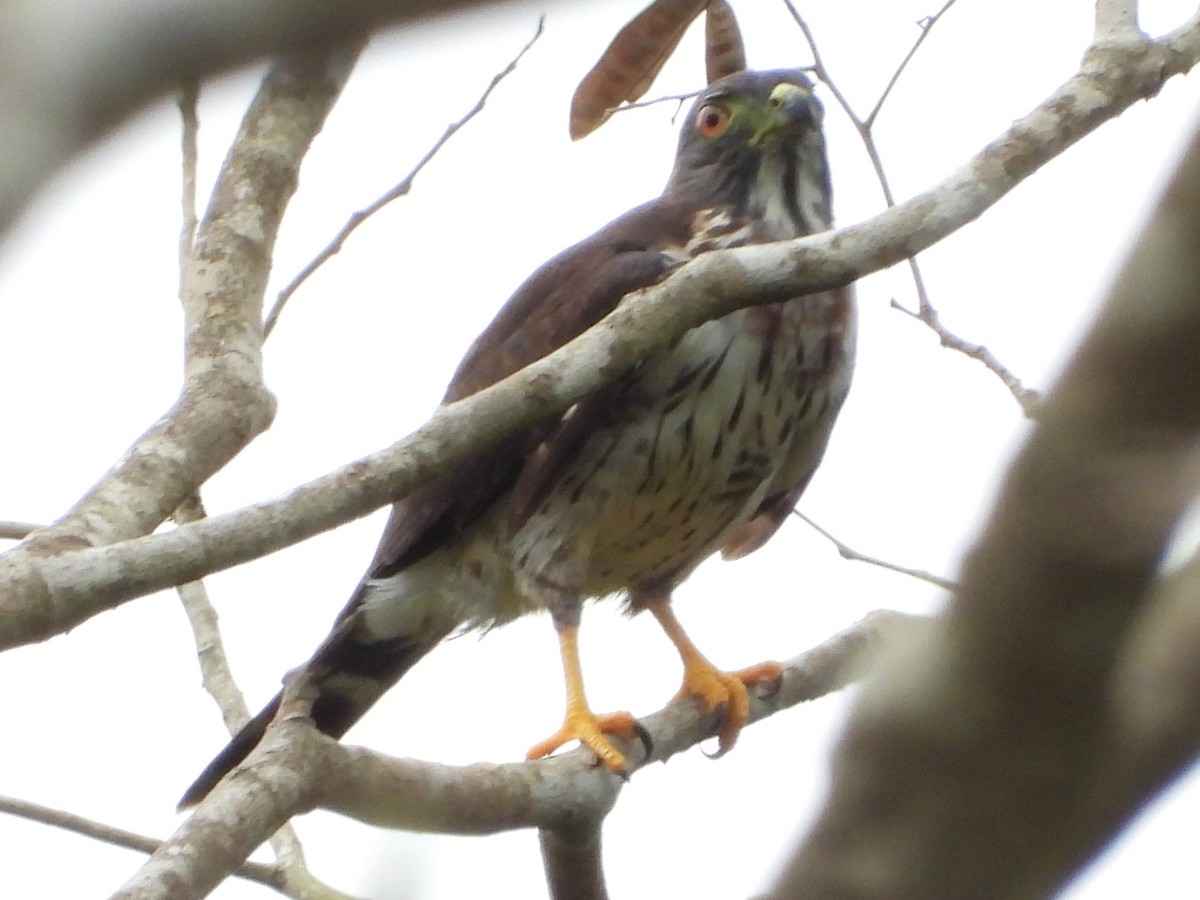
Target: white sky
109 721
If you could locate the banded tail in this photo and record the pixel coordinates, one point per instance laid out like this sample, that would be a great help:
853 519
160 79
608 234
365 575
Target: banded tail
350 675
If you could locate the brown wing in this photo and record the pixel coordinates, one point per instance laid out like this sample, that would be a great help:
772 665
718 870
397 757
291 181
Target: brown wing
561 300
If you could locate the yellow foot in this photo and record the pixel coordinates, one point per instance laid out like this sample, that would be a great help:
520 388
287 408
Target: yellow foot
714 688
592 731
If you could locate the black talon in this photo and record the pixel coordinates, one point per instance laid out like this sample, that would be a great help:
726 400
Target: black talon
644 737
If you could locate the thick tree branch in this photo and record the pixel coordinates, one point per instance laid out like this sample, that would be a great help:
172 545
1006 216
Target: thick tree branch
215 674
44 596
926 25
224 402
291 871
993 757
573 865
296 769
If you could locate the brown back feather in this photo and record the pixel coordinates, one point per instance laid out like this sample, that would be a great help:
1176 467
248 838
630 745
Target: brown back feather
561 300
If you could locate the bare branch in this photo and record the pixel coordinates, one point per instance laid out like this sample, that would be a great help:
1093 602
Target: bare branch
296 768
189 95
118 837
292 874
291 869
225 402
17 531
210 651
290 881
926 312
487 798
334 246
300 883
43 596
848 552
1184 41
822 73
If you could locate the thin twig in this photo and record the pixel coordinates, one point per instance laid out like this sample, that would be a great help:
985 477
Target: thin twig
402 188
119 837
215 673
678 99
294 878
1116 20
297 767
665 98
290 875
926 312
848 552
926 25
1029 399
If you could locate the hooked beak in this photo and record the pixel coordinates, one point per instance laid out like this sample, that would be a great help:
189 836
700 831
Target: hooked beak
792 108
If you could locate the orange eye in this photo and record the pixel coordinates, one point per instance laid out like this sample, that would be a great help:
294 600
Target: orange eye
711 120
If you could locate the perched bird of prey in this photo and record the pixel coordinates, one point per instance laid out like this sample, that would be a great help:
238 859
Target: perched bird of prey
702 446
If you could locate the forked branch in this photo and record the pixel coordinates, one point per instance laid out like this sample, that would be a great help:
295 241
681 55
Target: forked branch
925 312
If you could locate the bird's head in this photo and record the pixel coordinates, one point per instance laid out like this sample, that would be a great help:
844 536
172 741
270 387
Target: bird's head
753 142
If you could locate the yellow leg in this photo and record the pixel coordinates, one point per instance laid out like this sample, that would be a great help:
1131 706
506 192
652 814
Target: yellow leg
704 680
580 723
